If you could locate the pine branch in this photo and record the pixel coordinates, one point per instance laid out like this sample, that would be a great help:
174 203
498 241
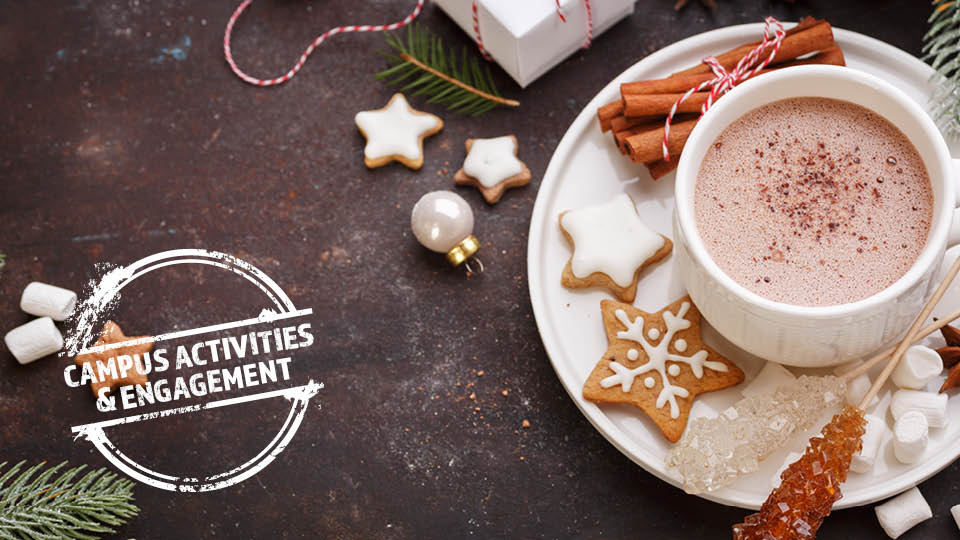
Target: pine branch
430 69
50 504
941 49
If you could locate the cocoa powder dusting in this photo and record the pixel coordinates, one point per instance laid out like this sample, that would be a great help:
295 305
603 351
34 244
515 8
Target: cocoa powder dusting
815 184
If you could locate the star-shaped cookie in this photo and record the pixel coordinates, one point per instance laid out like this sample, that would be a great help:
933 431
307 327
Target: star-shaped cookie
492 167
396 133
657 362
113 334
611 245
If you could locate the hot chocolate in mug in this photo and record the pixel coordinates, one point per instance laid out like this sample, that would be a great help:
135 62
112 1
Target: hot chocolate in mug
815 336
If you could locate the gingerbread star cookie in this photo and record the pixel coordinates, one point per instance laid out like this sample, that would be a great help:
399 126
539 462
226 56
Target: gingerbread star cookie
396 133
610 247
657 362
492 167
135 375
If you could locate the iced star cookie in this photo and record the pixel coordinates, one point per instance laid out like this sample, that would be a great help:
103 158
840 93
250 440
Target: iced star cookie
124 375
657 362
492 167
396 133
610 247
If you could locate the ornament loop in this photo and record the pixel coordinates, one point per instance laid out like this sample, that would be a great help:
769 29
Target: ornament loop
470 270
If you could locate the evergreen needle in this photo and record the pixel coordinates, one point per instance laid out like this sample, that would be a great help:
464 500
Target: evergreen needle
51 504
940 48
426 68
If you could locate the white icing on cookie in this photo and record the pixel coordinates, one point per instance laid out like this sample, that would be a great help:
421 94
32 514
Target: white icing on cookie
657 358
649 382
633 354
680 345
653 333
395 130
492 161
610 238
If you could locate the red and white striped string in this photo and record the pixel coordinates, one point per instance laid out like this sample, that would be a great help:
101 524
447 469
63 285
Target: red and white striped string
316 42
725 80
479 38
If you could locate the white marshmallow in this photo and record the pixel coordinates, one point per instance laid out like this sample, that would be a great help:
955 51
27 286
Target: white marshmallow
901 513
771 377
857 388
956 514
34 340
933 406
791 457
863 461
45 300
918 367
910 436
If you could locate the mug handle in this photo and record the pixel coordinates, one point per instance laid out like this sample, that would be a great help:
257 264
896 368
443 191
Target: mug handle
953 238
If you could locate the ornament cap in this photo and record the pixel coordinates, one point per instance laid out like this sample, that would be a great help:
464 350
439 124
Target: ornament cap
463 251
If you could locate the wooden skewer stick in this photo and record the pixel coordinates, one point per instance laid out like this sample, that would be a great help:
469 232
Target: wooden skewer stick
911 336
852 372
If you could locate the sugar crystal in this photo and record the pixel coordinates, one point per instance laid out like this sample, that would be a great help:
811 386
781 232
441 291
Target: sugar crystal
714 452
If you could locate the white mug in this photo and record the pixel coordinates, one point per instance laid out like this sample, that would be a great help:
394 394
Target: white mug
815 336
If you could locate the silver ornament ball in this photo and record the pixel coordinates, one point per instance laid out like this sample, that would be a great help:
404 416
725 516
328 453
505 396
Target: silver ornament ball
441 220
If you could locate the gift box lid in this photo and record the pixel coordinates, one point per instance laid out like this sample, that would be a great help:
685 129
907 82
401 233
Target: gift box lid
529 37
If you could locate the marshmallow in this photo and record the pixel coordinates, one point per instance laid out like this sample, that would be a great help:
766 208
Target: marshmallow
45 300
918 367
902 512
857 388
791 457
771 377
933 406
34 340
956 514
864 459
910 436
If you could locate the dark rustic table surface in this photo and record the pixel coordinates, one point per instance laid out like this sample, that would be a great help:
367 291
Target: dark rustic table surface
123 133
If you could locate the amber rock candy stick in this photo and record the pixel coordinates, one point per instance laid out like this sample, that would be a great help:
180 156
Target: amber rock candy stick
810 486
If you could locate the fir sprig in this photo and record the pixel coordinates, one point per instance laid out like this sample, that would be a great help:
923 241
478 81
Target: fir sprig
52 503
941 49
429 68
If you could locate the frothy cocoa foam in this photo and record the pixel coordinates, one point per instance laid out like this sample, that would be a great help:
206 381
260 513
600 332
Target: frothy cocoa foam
813 201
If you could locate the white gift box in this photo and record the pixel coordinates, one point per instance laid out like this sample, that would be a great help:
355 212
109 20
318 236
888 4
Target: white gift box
528 37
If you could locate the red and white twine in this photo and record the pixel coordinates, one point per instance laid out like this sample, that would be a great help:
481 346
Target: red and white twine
725 80
228 55
316 42
479 38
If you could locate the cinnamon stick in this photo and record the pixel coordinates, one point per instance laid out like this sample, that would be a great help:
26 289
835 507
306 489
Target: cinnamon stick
647 146
620 123
607 112
660 104
660 168
795 44
647 104
620 137
681 83
731 57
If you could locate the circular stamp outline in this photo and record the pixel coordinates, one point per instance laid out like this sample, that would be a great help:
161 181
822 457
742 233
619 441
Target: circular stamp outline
300 396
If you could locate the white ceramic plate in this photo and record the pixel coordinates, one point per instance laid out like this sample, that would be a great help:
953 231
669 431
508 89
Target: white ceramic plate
587 169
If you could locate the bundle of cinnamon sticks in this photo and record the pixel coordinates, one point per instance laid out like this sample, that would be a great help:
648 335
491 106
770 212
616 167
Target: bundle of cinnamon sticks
636 120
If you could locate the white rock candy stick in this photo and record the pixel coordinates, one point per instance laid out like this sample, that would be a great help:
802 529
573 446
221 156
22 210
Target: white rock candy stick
714 452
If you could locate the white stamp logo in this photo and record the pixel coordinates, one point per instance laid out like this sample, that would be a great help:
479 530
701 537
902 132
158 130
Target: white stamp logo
287 333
